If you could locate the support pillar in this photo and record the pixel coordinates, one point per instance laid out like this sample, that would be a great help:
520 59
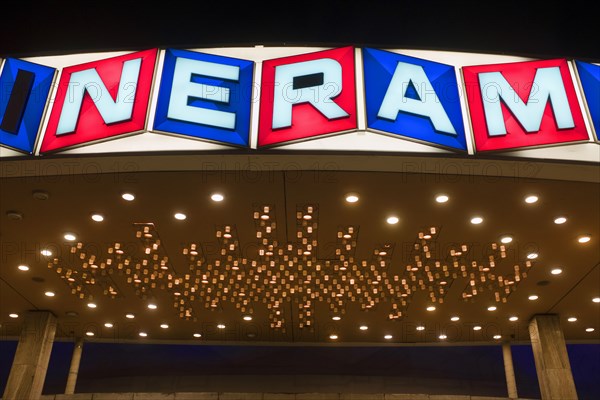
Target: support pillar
74 369
509 371
551 358
28 371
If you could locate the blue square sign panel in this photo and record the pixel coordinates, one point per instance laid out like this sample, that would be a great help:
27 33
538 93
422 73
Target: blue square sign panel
205 96
589 75
414 98
24 90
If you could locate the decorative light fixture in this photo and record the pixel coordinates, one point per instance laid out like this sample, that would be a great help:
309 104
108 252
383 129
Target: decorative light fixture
180 216
333 337
49 294
89 333
513 318
430 308
492 308
560 220
388 337
532 256
455 318
531 199
92 305
477 328
108 325
97 217
46 252
70 237
363 327
130 315
441 198
351 197
556 271
596 299
13 315
443 337
589 329
143 334
336 318
420 328
221 326
392 220
152 306
497 337
197 335
572 319
23 267
533 297
506 239
164 326
128 197
476 220
584 239
217 197
247 318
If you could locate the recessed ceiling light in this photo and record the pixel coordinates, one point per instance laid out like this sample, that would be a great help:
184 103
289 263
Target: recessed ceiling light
23 267
533 297
351 198
431 308
130 315
336 318
497 337
584 239
476 220
392 220
128 196
513 319
46 253
221 326
363 327
556 271
560 220
70 237
180 216
532 256
143 334
441 198
388 337
108 325
596 299
477 328
333 337
589 329
454 319
531 199
92 305
506 239
492 308
197 335
49 294
97 217
247 318
420 328
217 197
89 333
572 319
13 315
164 326
443 337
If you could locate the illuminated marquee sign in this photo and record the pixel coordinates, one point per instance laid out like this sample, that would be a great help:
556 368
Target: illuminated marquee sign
243 100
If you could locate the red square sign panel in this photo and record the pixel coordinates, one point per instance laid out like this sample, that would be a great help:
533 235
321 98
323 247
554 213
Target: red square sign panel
100 100
307 96
523 104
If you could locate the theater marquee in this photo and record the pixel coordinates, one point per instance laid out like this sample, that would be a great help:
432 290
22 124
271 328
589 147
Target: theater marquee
262 98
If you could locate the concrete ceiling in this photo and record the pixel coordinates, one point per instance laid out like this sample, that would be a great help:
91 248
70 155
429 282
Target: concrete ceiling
73 198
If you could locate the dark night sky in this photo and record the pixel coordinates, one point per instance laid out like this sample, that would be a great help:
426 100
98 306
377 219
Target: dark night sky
537 29
544 30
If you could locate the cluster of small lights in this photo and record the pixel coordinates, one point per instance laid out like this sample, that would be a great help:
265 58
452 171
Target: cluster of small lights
420 328
46 252
443 337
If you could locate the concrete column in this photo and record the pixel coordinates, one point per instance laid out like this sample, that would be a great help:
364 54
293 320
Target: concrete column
551 358
509 371
74 369
28 371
